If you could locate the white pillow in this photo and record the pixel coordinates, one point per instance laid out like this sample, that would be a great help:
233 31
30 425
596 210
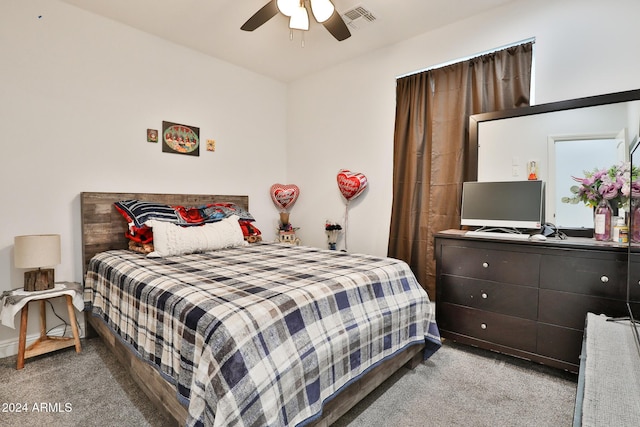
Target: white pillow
171 239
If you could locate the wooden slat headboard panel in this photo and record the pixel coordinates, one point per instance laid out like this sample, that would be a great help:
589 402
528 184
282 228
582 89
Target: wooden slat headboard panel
103 227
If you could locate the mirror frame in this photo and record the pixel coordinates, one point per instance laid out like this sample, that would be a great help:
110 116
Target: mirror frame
471 172
590 101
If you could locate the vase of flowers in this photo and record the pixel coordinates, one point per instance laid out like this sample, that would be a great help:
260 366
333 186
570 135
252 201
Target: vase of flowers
602 215
333 231
605 191
634 215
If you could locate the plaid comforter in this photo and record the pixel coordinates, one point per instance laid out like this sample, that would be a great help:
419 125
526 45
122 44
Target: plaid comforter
261 334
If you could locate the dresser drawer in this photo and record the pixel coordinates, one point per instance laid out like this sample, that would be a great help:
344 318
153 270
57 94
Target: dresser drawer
512 300
496 328
570 310
602 277
490 264
560 343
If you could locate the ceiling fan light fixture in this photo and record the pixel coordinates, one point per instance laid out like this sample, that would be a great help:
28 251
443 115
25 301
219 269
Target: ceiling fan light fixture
322 9
299 19
288 7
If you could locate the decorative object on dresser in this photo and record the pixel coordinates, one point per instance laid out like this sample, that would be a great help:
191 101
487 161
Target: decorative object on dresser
528 299
607 192
37 251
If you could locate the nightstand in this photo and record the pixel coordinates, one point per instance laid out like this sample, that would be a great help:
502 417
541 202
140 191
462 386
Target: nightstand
19 299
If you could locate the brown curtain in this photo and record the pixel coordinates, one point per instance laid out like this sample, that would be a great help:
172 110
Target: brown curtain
430 146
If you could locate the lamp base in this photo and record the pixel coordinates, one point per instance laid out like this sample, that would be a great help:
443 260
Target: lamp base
39 280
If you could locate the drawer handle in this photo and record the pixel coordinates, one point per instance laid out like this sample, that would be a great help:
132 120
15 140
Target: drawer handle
484 295
485 264
604 279
483 326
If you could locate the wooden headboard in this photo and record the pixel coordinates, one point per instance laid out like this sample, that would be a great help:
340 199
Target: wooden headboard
103 227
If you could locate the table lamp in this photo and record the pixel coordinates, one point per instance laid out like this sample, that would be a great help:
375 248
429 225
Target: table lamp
37 251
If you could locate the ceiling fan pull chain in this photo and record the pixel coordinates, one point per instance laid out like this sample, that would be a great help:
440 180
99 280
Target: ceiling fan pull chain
302 40
290 34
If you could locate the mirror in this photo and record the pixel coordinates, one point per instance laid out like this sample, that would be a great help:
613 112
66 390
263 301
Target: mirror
563 139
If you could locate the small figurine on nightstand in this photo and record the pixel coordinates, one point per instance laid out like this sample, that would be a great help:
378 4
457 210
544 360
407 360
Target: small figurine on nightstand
286 232
333 231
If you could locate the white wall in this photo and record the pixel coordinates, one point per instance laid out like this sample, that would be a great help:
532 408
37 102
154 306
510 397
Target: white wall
78 93
344 117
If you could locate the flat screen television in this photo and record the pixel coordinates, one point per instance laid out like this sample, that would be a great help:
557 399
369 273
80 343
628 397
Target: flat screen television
503 205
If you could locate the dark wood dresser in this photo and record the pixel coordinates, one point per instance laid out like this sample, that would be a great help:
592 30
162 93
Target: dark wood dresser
528 299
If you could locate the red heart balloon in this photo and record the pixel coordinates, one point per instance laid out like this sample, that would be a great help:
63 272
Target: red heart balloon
351 184
284 196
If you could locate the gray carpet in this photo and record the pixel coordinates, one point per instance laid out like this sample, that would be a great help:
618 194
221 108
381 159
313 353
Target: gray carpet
457 386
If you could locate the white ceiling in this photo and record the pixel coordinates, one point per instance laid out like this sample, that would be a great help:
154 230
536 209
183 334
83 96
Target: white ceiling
213 27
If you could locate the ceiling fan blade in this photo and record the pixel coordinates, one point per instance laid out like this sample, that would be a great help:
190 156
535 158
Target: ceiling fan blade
267 12
336 26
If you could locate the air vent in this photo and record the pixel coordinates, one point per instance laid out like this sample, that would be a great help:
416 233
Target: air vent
358 17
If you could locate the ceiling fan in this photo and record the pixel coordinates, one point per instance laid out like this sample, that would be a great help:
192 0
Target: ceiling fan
323 11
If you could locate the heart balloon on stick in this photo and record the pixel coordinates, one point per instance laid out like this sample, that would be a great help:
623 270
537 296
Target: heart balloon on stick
351 184
284 196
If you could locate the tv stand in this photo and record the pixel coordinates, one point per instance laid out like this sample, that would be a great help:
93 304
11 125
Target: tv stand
528 299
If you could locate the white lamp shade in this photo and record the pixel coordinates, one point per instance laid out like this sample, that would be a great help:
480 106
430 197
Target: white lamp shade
36 251
288 7
322 9
300 19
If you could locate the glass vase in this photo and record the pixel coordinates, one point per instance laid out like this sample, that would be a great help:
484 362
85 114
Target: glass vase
634 220
602 221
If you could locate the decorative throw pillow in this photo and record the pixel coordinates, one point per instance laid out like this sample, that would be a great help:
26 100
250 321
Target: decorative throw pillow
216 211
172 239
139 212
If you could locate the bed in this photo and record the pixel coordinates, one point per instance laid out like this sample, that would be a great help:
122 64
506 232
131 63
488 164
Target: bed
259 334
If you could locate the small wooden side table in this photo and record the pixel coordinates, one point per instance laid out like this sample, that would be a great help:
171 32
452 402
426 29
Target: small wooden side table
46 343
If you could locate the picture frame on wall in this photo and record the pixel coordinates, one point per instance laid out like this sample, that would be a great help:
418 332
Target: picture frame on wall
180 139
152 135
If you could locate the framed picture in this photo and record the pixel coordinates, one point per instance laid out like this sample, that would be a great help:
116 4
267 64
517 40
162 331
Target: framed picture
152 135
180 139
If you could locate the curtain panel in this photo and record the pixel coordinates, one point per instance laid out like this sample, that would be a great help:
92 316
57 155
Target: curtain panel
430 146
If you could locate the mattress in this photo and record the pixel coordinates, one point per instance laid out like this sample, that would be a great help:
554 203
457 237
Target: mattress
261 334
